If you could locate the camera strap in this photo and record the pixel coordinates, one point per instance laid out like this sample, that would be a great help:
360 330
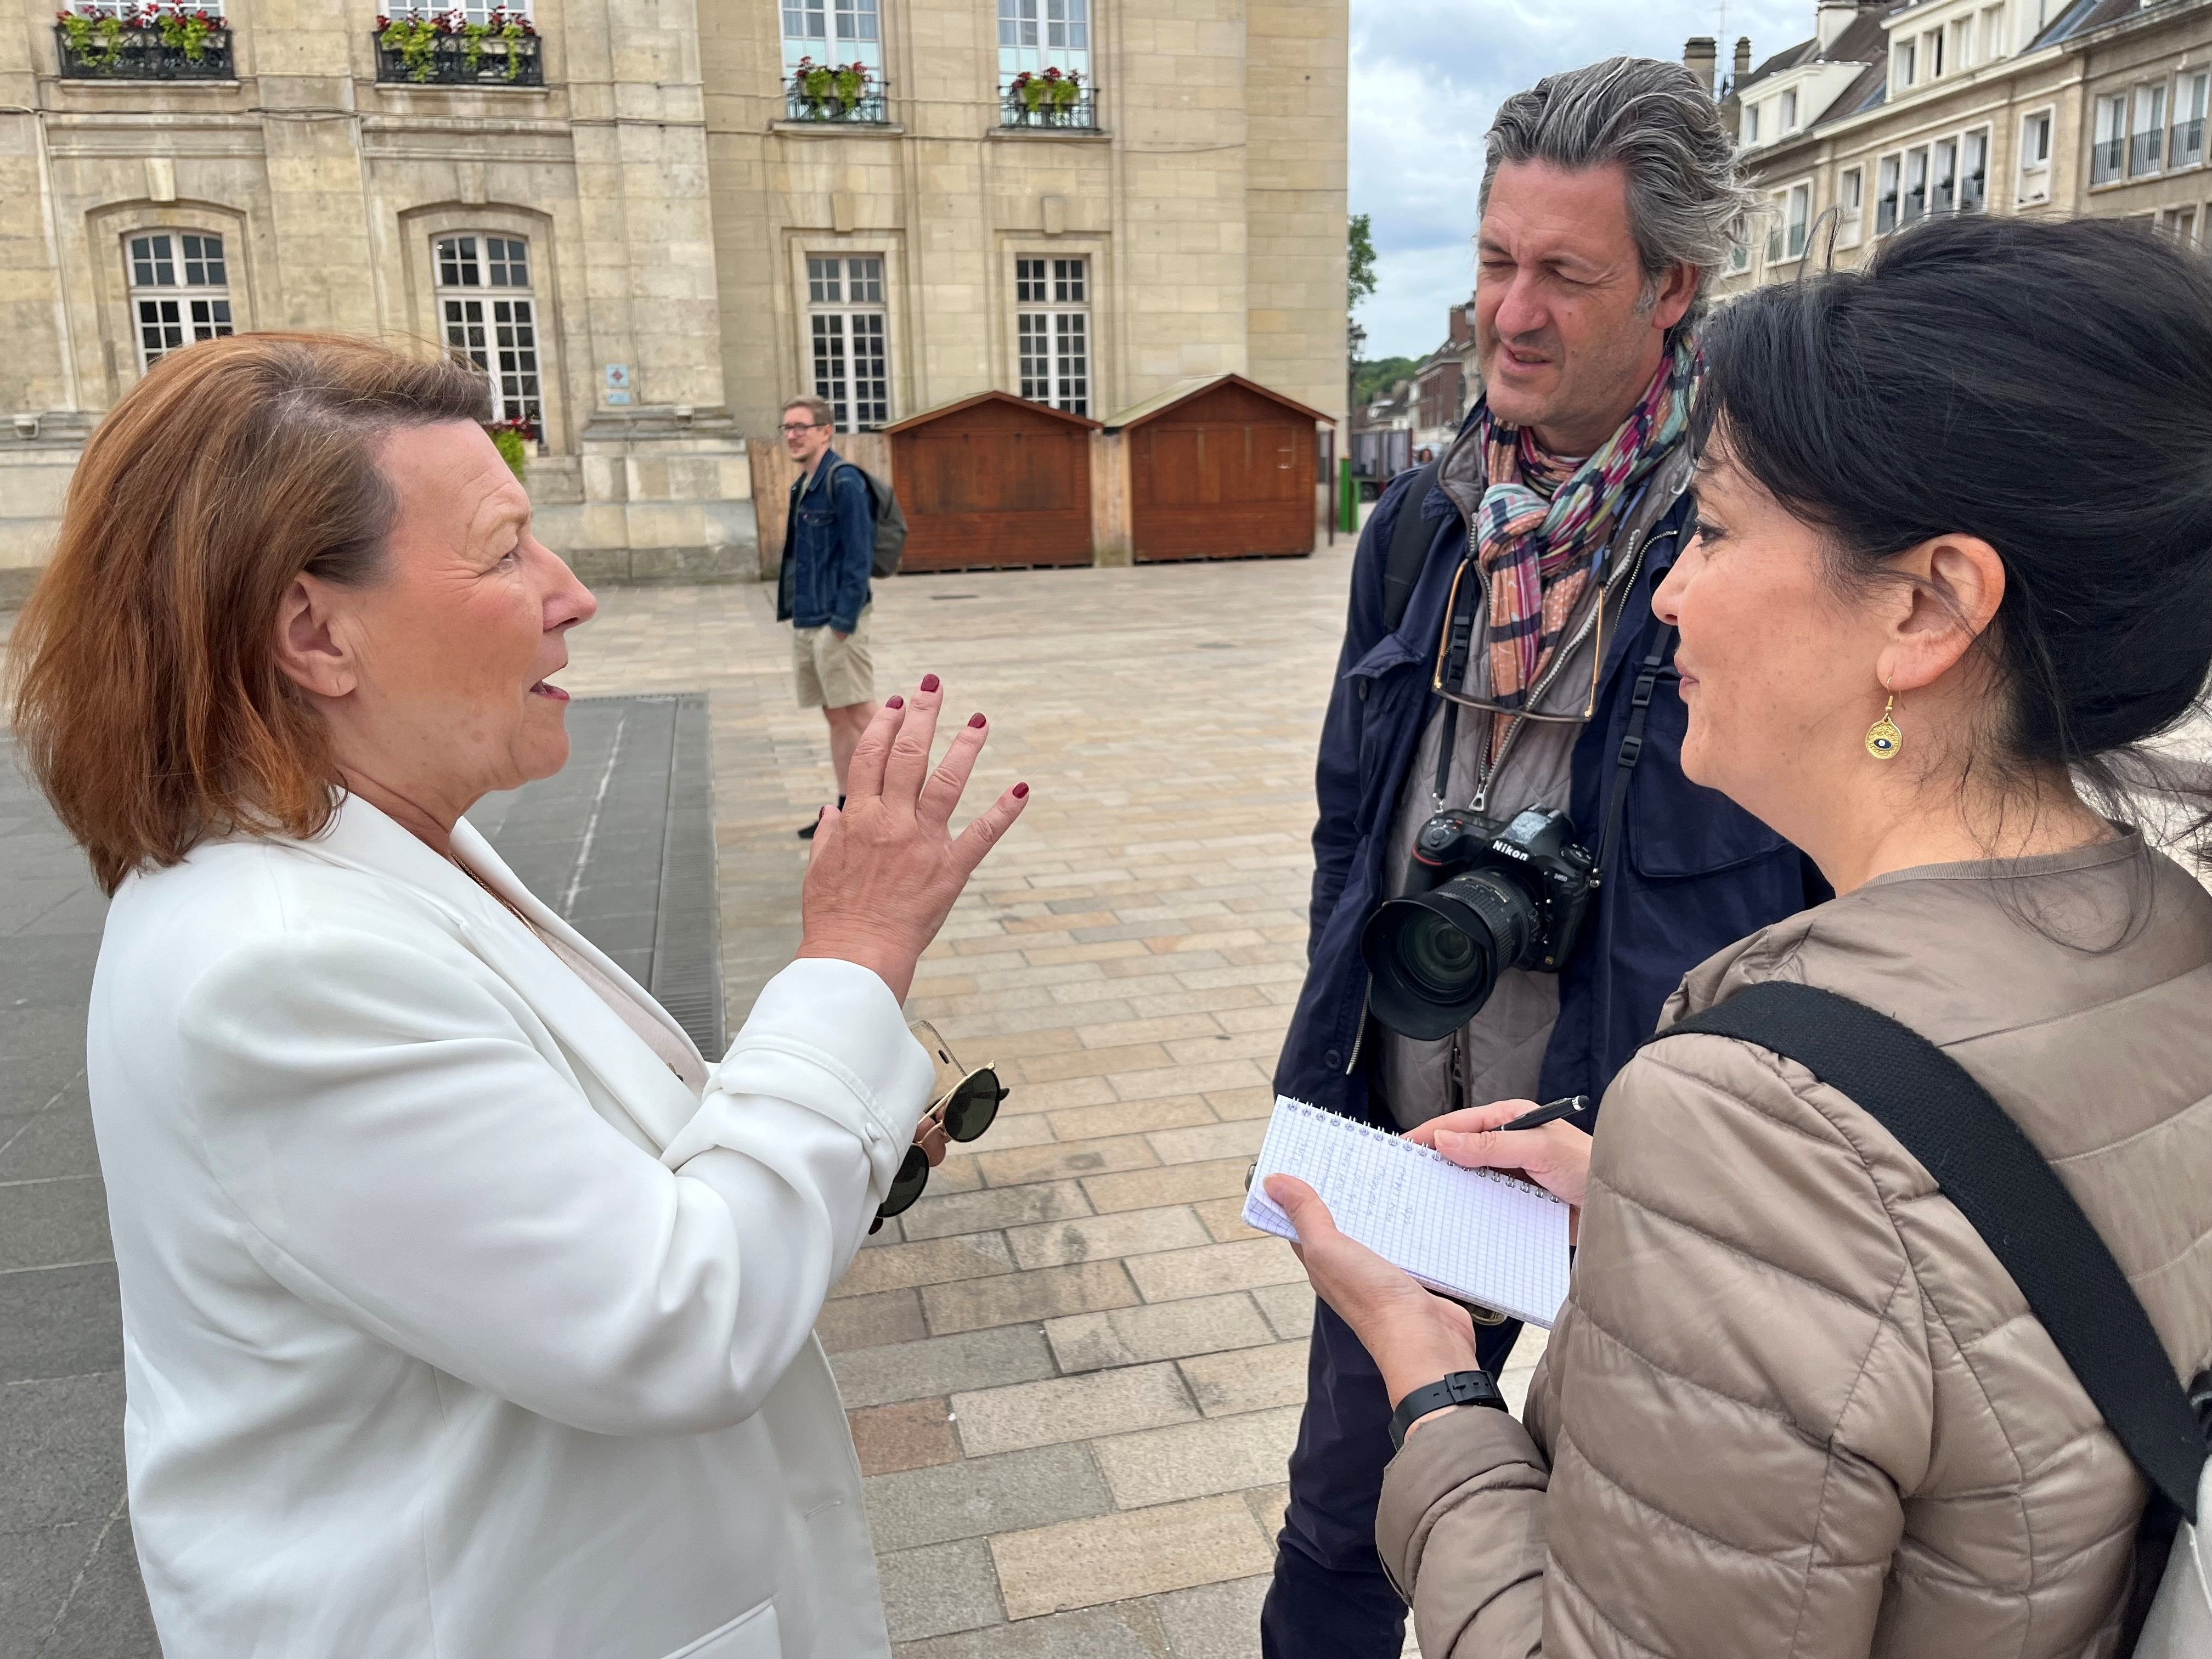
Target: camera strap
1631 744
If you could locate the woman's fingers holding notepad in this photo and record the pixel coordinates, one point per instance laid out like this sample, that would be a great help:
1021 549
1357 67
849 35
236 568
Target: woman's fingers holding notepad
1414 1337
1556 1155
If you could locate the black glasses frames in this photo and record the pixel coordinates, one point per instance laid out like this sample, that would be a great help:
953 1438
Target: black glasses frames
962 1113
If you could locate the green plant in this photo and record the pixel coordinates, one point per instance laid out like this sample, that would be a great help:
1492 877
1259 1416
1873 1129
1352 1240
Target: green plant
185 33
511 31
97 41
415 40
512 439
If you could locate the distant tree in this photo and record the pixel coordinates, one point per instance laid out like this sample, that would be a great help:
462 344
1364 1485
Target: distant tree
1370 380
1361 265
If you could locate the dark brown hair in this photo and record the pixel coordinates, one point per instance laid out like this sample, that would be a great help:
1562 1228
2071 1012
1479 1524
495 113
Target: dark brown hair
146 697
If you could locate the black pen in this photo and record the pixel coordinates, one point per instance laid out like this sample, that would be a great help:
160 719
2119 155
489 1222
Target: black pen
1548 1114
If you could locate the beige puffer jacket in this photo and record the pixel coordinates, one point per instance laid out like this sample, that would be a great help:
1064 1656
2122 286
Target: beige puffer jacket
1794 1405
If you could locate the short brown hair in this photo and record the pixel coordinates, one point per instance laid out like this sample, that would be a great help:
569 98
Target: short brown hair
816 407
148 699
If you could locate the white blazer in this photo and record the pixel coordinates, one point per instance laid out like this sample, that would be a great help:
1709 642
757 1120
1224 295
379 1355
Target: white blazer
453 1325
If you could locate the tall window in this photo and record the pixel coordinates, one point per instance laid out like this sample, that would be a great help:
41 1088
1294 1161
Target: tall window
852 361
2035 157
1850 207
1886 199
1931 52
1915 186
1944 177
1993 39
2108 155
1961 52
1035 35
1788 122
1789 212
833 32
490 318
1905 60
2189 97
1751 123
2146 144
1052 324
1974 171
179 291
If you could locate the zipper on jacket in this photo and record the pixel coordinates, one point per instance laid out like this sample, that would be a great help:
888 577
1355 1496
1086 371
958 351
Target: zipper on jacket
1359 1031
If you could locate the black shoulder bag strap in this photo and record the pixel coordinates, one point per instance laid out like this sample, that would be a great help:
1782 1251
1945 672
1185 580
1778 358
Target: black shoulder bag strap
1409 549
1992 1170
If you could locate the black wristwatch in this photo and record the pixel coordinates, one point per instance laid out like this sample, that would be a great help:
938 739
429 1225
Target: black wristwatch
1459 1389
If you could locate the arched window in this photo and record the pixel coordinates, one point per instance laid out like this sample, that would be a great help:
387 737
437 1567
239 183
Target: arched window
179 290
490 316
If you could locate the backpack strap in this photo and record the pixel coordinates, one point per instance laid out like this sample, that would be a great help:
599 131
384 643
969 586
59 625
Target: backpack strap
1409 549
1992 1171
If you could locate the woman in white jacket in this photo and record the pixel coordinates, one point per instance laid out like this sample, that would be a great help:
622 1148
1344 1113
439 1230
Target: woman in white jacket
466 1310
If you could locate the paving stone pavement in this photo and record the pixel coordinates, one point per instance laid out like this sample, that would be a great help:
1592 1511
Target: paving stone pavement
1072 1374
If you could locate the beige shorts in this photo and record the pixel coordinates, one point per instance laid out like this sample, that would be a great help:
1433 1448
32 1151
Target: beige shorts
834 673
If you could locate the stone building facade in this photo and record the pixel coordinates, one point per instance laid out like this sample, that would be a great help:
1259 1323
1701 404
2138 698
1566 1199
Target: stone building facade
1893 112
650 230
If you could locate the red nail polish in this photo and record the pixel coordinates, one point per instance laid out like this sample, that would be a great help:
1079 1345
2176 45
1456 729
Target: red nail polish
929 682
1021 792
975 719
894 702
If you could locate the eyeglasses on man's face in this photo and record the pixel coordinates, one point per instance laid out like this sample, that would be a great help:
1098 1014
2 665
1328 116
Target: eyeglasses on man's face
790 427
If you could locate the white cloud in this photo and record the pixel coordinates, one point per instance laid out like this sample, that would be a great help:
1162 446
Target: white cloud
1426 76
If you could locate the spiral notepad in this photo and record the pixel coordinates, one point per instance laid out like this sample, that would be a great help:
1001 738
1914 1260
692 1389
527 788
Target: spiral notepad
1473 1234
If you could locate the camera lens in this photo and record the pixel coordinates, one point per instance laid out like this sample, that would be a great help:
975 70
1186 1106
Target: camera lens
1436 956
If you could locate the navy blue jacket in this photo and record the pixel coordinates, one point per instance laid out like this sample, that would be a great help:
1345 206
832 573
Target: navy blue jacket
829 549
1695 873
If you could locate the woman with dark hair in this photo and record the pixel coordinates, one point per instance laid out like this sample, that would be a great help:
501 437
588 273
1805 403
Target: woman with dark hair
1955 562
467 1308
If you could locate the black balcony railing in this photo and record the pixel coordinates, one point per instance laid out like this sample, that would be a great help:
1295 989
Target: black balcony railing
2145 149
407 58
1081 115
2106 156
94 53
867 108
1973 192
2185 143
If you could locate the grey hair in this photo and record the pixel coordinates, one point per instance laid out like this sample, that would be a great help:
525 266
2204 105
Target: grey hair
1687 204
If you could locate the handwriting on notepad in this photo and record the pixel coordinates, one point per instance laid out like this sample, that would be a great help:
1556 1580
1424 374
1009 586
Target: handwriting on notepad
1473 1234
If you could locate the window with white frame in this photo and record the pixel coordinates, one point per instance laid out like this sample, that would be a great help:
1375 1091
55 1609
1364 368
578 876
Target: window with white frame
1960 52
179 290
1789 121
1850 207
2147 140
1886 202
847 330
1931 52
1052 330
1903 63
1035 35
2035 155
1751 123
2186 147
1789 216
2180 224
489 315
1915 186
1974 170
1993 34
833 32
2108 154
1943 175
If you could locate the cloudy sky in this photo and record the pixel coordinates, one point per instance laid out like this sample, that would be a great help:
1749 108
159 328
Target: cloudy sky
1426 76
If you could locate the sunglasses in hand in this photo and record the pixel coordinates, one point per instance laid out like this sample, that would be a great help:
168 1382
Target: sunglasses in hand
965 1103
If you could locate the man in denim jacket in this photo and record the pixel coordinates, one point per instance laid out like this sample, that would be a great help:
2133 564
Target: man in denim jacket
828 552
1611 195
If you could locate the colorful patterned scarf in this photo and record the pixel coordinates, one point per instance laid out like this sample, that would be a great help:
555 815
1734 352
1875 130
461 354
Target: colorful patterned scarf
1542 523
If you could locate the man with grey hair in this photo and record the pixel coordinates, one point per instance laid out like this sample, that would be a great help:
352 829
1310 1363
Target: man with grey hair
1501 658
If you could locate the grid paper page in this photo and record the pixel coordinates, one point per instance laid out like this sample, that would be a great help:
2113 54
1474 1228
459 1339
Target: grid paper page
1473 1234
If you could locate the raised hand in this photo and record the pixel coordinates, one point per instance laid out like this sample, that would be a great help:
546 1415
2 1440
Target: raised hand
887 866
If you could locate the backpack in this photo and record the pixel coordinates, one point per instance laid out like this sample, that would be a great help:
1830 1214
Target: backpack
883 507
2038 1235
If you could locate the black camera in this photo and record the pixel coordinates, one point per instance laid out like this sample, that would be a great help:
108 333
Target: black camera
1482 896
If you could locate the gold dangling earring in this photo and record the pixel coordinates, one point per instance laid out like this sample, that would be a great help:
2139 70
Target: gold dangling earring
1883 739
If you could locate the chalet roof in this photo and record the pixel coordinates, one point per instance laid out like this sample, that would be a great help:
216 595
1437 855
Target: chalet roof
1182 392
959 404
